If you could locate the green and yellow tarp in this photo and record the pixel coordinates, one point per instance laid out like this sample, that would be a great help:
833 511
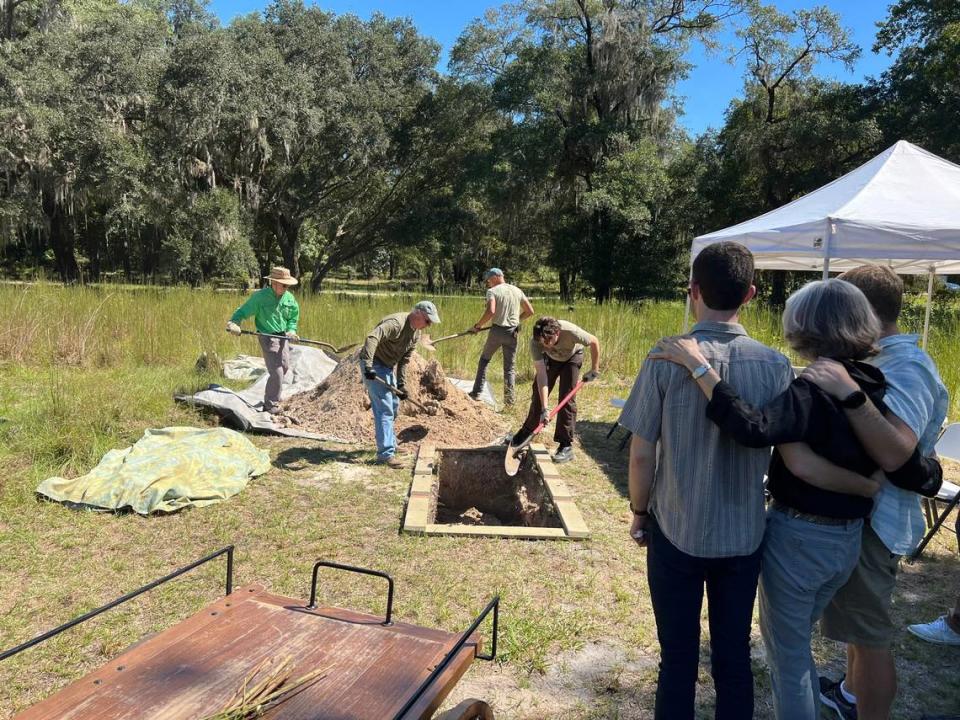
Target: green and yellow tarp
167 470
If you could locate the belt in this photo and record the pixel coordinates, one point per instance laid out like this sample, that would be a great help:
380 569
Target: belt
809 517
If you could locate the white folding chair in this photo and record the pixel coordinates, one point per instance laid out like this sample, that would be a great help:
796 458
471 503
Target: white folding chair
948 446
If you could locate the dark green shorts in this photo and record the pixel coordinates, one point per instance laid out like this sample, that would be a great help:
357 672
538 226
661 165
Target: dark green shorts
859 613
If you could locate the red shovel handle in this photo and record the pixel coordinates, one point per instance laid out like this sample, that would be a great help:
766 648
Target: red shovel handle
553 413
567 398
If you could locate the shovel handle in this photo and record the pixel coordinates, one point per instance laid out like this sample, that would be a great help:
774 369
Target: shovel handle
460 334
396 391
303 341
553 413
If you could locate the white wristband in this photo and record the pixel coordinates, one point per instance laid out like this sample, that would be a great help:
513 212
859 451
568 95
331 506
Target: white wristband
701 371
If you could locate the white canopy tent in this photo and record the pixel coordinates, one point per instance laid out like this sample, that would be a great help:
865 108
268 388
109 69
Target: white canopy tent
902 208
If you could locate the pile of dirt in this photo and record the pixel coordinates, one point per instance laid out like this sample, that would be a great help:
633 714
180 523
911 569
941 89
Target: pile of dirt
340 407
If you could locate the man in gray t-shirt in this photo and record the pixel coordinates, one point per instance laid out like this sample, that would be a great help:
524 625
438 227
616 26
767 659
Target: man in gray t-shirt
505 307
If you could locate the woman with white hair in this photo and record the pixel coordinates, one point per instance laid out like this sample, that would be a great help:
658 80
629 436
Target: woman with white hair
812 540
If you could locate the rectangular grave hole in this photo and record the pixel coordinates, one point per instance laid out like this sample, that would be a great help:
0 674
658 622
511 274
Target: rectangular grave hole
472 488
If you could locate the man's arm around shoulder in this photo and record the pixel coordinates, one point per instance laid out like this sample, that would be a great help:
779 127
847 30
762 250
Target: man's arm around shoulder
886 438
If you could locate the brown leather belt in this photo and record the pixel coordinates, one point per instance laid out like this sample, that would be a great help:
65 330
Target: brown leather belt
809 517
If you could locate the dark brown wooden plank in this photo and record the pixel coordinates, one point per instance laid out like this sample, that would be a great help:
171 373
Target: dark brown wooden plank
195 667
73 700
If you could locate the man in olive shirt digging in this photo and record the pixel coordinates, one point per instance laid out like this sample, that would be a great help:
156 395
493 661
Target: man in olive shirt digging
275 312
557 352
506 307
390 344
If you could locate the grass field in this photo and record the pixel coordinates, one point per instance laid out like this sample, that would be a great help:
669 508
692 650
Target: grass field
86 370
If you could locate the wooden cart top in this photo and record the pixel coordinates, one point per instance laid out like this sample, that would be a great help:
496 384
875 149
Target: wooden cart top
194 668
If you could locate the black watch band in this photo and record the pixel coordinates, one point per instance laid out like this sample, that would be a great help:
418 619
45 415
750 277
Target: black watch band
854 400
638 513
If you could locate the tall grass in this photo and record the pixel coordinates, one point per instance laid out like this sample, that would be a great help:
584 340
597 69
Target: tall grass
56 328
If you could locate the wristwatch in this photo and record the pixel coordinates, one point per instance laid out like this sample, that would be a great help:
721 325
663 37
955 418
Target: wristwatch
700 371
638 513
854 400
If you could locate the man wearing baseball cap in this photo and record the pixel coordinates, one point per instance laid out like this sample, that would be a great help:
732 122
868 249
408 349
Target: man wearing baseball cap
506 307
275 312
390 345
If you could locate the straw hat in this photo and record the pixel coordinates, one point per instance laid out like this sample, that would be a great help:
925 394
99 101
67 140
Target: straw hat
280 275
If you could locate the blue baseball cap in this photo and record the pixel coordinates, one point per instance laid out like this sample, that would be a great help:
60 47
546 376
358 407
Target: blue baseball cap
492 272
428 309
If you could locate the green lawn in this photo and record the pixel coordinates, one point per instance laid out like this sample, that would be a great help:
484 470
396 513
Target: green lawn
83 371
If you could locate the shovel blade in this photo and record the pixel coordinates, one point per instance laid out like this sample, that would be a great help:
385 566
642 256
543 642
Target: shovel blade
512 459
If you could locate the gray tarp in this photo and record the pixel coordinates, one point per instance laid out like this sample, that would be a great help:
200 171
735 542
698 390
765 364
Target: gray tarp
308 368
244 408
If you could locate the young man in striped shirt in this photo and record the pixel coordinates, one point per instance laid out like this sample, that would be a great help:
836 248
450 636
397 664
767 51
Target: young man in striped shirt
697 496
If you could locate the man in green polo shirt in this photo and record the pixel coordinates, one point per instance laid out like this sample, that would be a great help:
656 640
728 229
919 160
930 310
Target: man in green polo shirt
557 351
275 311
390 344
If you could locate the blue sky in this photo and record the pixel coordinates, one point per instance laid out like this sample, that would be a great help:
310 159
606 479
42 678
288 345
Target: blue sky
705 94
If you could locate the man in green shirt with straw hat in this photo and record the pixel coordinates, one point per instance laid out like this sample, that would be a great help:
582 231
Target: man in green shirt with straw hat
275 312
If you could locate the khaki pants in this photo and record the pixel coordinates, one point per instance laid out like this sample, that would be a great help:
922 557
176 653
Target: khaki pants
276 354
499 337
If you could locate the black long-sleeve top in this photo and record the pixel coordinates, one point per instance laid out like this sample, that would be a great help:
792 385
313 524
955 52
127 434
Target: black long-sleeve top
805 413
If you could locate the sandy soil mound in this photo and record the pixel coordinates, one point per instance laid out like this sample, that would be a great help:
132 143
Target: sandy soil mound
340 407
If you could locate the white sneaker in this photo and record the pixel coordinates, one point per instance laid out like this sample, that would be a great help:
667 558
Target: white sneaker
937 631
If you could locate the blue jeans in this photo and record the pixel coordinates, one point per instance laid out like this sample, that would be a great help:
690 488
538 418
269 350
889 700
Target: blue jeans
384 405
677 582
804 564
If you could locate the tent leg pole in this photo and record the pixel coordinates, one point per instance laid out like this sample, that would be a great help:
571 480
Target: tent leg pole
828 242
926 319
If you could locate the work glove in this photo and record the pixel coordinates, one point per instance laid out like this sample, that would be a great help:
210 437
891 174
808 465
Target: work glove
516 331
233 328
545 416
368 373
402 392
591 376
292 335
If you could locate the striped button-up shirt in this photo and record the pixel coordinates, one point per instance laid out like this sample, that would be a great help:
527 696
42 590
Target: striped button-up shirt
707 494
916 395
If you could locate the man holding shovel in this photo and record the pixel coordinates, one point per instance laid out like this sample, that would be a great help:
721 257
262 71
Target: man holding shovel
557 350
390 344
275 312
506 307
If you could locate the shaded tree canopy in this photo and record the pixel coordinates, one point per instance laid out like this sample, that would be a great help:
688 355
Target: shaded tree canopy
145 138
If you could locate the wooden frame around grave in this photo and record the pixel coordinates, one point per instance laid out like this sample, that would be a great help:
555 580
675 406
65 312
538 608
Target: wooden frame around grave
416 519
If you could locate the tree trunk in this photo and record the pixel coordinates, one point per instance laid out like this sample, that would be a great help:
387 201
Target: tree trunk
8 20
319 275
602 260
566 285
392 264
288 238
778 288
61 238
94 242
